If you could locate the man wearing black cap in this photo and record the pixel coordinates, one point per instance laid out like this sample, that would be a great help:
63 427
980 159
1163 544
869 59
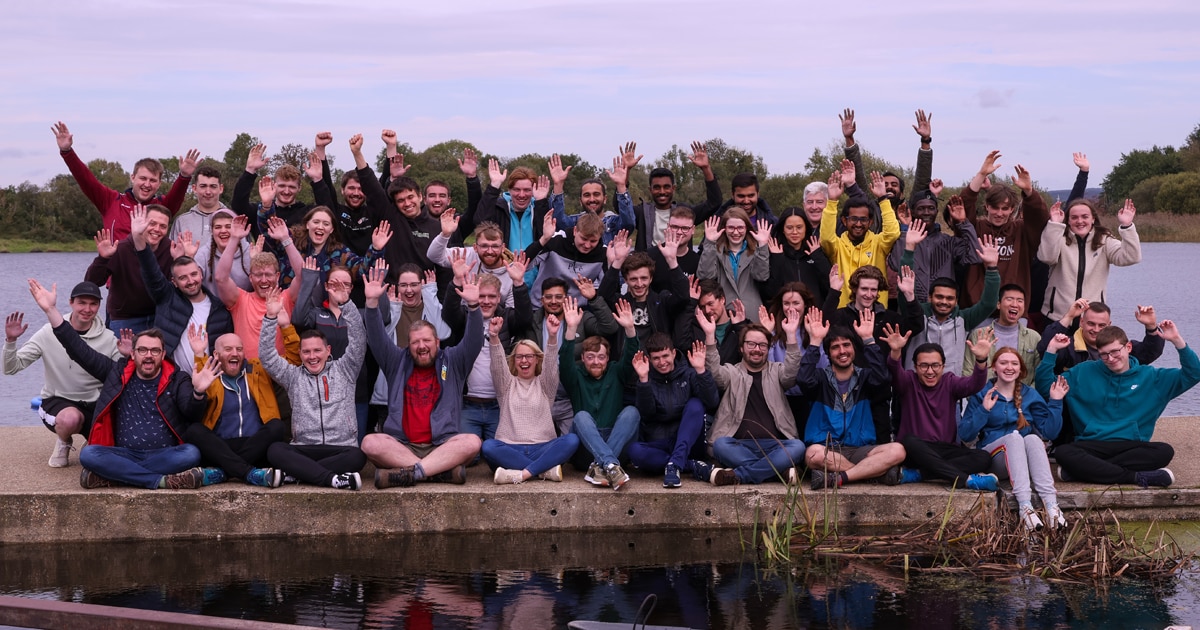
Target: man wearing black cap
69 394
936 254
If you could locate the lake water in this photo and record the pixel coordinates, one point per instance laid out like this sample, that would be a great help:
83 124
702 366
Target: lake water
1160 280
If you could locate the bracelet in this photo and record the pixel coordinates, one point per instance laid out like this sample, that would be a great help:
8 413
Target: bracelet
926 139
286 243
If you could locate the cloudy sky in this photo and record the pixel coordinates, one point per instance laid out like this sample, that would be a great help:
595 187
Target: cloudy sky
1035 79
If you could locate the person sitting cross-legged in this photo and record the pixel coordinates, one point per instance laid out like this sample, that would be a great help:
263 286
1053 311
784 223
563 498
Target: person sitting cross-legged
754 434
144 408
672 400
525 445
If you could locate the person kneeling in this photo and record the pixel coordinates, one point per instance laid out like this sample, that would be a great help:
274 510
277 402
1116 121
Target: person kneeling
525 445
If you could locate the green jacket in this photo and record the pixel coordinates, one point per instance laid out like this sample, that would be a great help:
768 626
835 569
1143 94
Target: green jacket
603 397
1027 342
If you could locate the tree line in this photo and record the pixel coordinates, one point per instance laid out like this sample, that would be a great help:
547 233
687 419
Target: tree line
1160 179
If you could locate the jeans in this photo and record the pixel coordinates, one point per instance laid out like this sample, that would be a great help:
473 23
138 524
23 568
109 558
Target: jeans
480 419
606 445
756 461
137 325
137 467
536 458
654 455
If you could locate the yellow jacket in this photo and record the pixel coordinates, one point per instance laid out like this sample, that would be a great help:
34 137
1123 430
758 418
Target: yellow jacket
262 390
873 250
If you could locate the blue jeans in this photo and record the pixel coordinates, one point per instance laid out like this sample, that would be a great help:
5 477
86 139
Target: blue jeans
136 467
653 456
536 458
606 445
137 324
756 461
480 419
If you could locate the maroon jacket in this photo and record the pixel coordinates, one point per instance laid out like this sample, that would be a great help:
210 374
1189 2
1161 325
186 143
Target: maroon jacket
114 206
127 295
1018 241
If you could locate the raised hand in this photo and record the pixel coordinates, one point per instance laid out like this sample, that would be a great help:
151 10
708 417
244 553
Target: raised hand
241 229
495 325
257 158
1023 180
587 288
983 343
641 366
205 376
629 155
1170 332
373 287
623 315
277 229
669 247
125 342
694 287
774 246
762 233
312 167
396 167
549 226
835 184
1077 308
815 325
541 188
812 244
62 136
1058 342
356 143
936 187
469 164
923 127
791 323
460 264
848 173
188 162
469 292
990 164
1146 316
765 317
1126 213
877 187
915 235
558 173
188 243
848 125
618 249
699 156
197 339
619 174
572 314
496 176
708 326
1056 213
553 323
14 326
903 215
835 278
696 356
1059 389
323 139
517 268
907 283
449 221
310 263
389 138
105 245
274 302
713 229
990 399
895 340
988 251
138 221
430 276
1081 161
381 235
266 191
958 211
865 326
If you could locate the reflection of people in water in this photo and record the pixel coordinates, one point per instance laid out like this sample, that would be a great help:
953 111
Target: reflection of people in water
750 598
419 605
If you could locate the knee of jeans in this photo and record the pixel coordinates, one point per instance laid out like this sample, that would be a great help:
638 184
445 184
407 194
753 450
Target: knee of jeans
87 455
190 452
629 414
571 440
795 449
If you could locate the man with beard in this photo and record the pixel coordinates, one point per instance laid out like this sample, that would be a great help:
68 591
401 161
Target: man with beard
181 302
754 434
728 318
744 187
115 206
652 217
242 419
1010 331
858 245
144 407
937 254
207 187
68 395
485 257
594 198
248 307
421 439
116 264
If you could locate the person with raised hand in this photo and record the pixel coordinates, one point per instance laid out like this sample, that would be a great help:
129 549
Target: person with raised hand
893 184
220 230
422 439
857 246
526 445
114 206
520 210
577 253
248 307
653 216
281 191
130 304
595 386
593 198
1011 421
144 408
1115 403
1080 251
937 254
796 254
653 310
487 256
841 431
735 253
364 203
1011 331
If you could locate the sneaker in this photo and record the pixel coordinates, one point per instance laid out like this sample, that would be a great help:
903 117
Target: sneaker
723 477
617 477
793 476
702 471
892 477
910 475
505 476
265 477
983 482
1161 478
61 457
212 476
554 474
90 480
1030 519
289 480
189 479
347 481
394 478
1055 516
822 480
595 475
671 476
456 476
1063 475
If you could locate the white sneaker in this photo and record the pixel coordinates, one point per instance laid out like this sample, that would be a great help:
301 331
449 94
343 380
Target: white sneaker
505 476
1055 516
61 457
1030 518
554 474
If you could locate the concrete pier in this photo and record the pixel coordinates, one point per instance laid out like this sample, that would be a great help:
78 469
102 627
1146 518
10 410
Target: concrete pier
42 504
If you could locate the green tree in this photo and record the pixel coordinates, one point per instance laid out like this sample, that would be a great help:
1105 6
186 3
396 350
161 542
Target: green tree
1139 165
1144 194
1177 194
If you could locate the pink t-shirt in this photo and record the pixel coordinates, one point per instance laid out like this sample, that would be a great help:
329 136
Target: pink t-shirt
247 315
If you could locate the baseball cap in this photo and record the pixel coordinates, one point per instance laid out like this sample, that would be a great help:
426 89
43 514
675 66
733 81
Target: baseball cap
85 289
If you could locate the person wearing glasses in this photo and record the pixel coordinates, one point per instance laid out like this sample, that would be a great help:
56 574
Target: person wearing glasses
486 256
857 246
682 224
144 408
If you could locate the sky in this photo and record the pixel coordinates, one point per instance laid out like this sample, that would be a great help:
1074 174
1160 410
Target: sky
1037 80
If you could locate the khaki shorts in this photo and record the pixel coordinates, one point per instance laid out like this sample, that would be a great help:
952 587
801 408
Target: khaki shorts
854 454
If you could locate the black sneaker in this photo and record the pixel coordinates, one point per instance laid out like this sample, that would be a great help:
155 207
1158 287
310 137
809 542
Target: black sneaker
702 471
822 480
347 481
394 478
90 480
1161 478
671 476
892 477
456 475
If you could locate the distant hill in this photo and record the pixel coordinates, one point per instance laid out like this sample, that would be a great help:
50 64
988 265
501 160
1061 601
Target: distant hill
1090 193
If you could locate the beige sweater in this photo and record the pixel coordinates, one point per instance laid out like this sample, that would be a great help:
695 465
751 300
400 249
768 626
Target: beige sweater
525 403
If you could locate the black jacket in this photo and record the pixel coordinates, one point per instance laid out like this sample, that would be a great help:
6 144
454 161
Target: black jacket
172 310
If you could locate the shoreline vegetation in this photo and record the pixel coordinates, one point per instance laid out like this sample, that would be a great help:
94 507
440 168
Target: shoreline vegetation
1152 228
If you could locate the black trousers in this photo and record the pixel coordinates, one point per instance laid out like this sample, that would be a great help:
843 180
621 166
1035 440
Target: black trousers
236 456
316 464
1113 461
941 460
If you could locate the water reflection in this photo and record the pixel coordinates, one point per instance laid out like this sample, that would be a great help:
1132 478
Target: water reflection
539 580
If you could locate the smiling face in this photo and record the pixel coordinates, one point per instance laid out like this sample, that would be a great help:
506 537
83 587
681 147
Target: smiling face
526 361
662 191
144 184
814 205
319 226
929 366
866 294
230 354
593 198
754 350
1091 323
222 229
1007 366
746 198
663 361
408 202
352 192
999 215
83 312
522 193
857 221
437 199
794 231
1115 356
926 211
208 192
314 354
552 300
792 302
338 286
1080 219
489 300
189 280
409 287
841 353
638 282
423 345
490 251
1011 307
286 191
891 184
714 308
157 224
735 232
943 300
263 279
148 353
595 362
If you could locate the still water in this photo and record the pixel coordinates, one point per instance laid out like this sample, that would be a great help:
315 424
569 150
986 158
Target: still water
701 579
1159 280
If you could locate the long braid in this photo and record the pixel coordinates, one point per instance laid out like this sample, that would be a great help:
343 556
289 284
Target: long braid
1021 421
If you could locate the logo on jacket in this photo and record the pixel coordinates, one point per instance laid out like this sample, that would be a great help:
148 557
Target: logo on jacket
1133 387
443 372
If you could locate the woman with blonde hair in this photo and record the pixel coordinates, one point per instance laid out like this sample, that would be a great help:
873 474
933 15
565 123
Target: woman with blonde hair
737 262
1011 420
526 444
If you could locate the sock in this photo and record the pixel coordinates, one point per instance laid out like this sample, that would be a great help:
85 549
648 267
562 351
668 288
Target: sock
418 472
843 479
162 482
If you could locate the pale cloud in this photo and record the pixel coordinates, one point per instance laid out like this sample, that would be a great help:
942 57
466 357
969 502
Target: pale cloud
994 98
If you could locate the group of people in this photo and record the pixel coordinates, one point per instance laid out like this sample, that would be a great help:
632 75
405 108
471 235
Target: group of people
865 335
